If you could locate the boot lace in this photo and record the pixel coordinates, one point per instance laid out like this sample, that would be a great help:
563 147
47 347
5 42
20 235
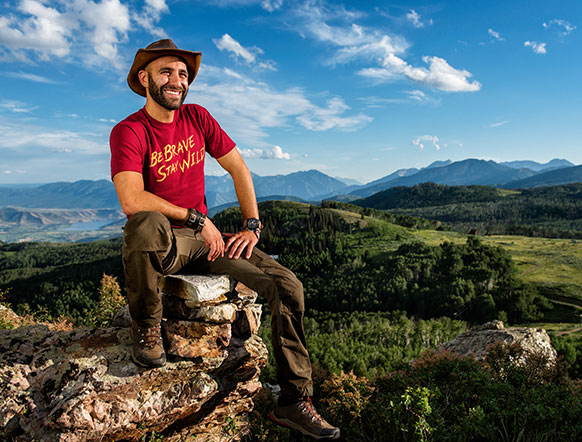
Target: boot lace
150 337
306 408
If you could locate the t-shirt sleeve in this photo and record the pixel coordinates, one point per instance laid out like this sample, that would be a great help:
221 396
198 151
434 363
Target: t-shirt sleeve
126 150
218 143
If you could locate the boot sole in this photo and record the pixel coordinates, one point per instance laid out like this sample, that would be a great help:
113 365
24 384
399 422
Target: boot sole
155 363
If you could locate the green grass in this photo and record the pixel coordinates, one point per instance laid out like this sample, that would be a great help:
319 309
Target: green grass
550 264
554 266
508 192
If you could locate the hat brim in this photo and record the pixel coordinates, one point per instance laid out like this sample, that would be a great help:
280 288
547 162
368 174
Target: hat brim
143 57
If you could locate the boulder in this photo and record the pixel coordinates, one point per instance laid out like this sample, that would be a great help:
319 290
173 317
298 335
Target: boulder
80 385
477 340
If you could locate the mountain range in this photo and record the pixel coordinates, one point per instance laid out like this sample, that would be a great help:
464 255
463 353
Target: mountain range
310 185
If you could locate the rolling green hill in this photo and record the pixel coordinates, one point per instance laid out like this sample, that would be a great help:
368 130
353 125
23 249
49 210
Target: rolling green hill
545 212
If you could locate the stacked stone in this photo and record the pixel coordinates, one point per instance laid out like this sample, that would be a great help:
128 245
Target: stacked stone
204 315
81 385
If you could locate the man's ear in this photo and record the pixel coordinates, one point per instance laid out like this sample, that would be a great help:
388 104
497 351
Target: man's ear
143 78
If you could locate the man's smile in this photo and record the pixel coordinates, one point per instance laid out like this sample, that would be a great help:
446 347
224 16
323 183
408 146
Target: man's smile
175 93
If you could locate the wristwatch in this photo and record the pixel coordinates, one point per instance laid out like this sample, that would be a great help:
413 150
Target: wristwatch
254 225
195 220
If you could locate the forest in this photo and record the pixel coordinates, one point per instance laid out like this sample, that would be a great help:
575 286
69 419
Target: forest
377 299
551 212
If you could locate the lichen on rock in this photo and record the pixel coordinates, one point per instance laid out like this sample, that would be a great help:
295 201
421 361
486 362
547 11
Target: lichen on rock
81 385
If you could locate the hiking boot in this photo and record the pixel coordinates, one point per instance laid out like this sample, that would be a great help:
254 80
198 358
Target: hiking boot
301 416
147 348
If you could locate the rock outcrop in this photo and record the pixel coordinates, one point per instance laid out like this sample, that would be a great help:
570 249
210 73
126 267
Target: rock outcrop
477 340
81 385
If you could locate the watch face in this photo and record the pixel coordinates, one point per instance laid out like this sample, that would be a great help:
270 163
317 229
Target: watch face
253 223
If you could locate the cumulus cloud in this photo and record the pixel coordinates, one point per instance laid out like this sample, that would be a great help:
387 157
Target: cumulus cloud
354 42
249 55
150 15
276 153
439 74
54 31
496 35
538 48
227 43
419 141
107 23
226 94
414 17
42 29
564 26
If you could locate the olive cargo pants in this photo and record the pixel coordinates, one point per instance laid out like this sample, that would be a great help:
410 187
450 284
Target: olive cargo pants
152 248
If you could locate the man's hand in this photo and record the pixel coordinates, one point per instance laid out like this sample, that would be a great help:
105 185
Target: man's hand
239 241
213 239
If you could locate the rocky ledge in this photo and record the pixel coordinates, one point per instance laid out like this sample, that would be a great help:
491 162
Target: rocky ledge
81 385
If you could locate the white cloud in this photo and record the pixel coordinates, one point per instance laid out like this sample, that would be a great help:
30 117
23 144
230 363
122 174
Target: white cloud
352 40
18 136
42 29
249 55
276 152
567 28
67 28
439 75
227 43
418 141
414 17
355 42
28 76
226 95
538 48
500 123
108 23
323 118
496 35
268 5
151 14
16 106
271 5
417 95
410 97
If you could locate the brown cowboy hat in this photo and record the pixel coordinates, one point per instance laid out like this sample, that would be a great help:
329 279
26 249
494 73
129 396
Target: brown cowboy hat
158 49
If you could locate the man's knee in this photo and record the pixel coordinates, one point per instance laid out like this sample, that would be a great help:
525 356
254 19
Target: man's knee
291 292
147 231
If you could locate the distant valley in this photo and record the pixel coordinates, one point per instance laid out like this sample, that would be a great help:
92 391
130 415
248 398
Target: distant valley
40 209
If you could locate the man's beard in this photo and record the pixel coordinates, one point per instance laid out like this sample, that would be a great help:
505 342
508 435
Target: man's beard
158 96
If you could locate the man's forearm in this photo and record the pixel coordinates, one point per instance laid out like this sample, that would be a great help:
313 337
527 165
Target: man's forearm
133 198
147 201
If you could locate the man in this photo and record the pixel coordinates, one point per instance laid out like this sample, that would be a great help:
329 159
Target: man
157 166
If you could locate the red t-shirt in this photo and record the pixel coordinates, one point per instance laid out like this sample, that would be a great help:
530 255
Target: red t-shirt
170 156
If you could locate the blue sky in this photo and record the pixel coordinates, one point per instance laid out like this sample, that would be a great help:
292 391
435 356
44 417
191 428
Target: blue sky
355 89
